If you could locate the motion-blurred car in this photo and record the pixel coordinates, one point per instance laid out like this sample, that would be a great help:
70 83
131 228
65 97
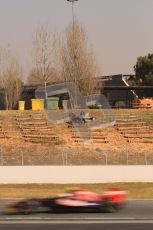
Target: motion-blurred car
22 206
75 201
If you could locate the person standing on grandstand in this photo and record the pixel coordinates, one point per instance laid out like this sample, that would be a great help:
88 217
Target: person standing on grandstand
82 117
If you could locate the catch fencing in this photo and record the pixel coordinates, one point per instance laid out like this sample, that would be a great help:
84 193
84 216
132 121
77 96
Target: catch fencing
68 156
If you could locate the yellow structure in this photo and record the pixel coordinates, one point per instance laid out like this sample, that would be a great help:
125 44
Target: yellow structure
37 104
21 105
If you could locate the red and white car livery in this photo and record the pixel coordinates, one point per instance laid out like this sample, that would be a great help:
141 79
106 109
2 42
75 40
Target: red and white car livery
78 200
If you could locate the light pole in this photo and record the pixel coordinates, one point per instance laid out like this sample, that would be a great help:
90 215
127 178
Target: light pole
73 42
72 1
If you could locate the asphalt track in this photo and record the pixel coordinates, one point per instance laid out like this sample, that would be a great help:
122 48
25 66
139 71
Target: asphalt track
137 215
80 226
134 210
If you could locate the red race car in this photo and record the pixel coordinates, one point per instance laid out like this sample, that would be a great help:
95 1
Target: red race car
77 200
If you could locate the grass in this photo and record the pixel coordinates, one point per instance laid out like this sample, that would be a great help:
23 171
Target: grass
135 190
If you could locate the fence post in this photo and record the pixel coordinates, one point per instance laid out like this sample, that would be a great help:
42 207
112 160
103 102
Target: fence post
50 158
145 158
22 160
106 161
126 152
1 155
63 158
105 154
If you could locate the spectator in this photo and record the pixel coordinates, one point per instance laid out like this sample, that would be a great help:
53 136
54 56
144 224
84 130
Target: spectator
82 117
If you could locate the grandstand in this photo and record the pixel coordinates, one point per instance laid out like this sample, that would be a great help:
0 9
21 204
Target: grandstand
35 128
2 132
83 134
133 128
27 137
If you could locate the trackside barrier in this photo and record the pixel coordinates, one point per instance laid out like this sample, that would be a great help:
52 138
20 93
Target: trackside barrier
51 156
74 174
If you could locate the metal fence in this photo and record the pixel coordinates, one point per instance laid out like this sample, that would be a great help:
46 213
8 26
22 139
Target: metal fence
37 155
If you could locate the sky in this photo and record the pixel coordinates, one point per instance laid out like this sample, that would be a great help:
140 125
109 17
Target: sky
118 30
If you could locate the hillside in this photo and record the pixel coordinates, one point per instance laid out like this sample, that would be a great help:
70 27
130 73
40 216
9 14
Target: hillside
28 137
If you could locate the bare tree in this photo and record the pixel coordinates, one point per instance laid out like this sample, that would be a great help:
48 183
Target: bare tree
35 77
43 69
77 59
10 78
